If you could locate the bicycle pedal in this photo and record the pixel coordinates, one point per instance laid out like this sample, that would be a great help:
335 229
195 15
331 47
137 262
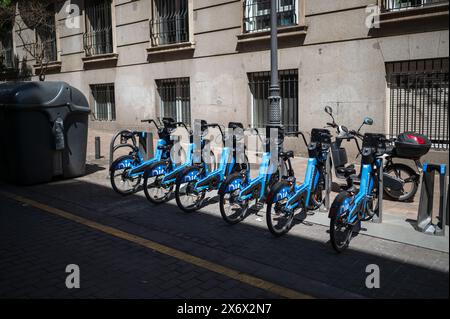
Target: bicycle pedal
287 211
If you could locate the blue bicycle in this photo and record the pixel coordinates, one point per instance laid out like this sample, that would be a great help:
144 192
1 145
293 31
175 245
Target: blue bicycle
239 189
193 184
287 199
126 172
160 177
351 207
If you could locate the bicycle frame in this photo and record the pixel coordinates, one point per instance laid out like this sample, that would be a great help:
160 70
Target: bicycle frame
214 179
355 206
171 177
304 190
159 155
126 163
266 171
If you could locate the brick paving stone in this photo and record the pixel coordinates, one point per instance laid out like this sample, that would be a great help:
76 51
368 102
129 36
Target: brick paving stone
106 277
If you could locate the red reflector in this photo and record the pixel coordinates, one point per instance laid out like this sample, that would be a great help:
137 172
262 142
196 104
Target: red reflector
418 139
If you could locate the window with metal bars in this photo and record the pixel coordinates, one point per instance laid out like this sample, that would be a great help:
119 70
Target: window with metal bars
98 36
418 100
104 102
6 47
170 22
394 5
259 84
257 14
45 47
175 99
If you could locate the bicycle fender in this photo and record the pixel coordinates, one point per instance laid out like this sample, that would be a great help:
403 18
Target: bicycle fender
337 203
189 174
157 168
231 183
279 191
122 162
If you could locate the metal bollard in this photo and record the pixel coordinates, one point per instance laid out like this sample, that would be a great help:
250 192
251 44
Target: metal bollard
379 217
97 148
425 211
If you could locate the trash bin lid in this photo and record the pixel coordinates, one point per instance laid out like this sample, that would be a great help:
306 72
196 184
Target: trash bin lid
43 94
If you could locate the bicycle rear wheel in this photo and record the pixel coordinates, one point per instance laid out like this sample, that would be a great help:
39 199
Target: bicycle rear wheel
188 200
154 191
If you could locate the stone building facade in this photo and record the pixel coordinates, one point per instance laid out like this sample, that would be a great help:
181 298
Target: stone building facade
209 59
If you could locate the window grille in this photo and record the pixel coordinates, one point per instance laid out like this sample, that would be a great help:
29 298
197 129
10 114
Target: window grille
104 102
175 101
257 14
419 99
395 5
98 37
259 84
170 22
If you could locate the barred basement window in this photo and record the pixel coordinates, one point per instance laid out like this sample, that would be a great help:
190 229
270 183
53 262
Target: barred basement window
170 22
419 99
259 83
257 14
395 5
98 36
175 99
104 102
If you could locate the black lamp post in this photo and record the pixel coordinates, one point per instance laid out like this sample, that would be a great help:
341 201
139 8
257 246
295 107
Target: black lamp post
274 90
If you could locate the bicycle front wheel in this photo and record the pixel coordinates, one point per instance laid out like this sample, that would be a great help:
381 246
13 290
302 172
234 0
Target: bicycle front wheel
340 233
279 220
121 182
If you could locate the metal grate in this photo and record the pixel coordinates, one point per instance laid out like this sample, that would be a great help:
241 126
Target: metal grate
6 49
170 22
395 5
419 99
104 102
98 38
175 99
257 14
259 83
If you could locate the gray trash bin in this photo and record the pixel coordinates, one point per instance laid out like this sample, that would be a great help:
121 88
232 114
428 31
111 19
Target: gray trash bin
43 131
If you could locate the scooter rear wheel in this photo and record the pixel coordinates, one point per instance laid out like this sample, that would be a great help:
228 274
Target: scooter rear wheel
409 176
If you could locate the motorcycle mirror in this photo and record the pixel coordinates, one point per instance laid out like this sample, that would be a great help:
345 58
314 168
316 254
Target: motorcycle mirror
329 110
368 121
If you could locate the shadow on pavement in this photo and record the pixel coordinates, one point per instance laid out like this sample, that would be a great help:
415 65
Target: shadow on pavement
299 258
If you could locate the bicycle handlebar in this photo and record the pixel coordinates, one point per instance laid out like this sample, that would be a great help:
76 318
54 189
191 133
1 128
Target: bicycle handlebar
296 134
183 125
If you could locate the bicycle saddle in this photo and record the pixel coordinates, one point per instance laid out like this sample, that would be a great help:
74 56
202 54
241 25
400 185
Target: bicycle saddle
347 170
127 135
286 155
